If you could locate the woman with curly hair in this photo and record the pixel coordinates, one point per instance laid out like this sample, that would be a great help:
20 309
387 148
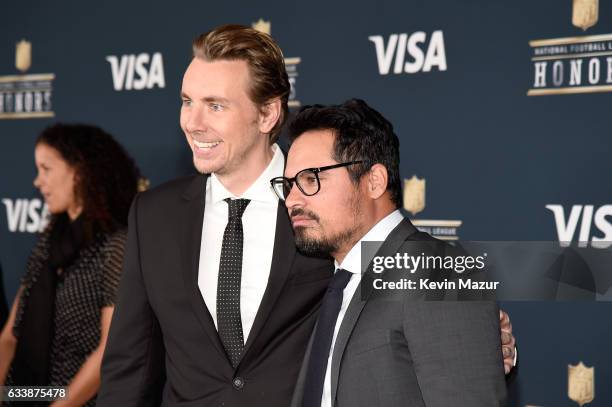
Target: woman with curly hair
58 325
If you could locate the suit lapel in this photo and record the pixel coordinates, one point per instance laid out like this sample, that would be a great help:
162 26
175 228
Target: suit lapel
190 230
282 258
391 245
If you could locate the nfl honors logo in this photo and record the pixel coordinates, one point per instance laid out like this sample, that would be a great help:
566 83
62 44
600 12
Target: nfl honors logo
25 96
573 65
290 63
414 202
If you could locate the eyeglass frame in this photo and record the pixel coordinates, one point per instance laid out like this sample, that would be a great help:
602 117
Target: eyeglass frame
315 171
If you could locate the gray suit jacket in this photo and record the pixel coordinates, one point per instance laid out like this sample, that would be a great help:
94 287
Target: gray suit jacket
395 349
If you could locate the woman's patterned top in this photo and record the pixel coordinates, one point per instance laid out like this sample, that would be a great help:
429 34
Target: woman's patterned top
83 289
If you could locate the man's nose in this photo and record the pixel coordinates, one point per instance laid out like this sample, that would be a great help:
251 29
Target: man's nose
295 197
196 121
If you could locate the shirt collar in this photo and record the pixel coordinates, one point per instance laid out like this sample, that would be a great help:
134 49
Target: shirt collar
260 190
378 233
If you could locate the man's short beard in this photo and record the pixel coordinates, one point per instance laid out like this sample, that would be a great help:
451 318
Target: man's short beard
331 244
322 246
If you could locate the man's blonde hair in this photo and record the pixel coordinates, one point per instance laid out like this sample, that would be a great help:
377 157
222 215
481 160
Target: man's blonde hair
264 57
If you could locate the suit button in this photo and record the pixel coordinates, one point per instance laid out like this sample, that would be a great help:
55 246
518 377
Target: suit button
238 383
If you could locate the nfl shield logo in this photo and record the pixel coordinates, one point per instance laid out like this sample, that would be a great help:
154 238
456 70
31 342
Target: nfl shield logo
263 26
414 195
23 55
581 383
585 13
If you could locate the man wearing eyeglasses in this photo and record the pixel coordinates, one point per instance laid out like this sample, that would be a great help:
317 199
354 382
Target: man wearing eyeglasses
216 305
341 188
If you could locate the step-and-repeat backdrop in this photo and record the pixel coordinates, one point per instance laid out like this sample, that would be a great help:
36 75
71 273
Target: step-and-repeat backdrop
503 110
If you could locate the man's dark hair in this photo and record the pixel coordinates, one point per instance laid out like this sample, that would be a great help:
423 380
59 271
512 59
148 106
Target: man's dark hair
361 133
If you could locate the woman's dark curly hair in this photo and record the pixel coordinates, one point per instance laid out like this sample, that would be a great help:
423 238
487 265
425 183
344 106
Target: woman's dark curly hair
106 177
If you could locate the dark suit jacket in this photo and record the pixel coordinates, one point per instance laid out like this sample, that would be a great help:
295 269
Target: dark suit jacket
162 330
394 349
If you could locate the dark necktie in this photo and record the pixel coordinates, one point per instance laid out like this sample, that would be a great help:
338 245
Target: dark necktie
229 322
321 343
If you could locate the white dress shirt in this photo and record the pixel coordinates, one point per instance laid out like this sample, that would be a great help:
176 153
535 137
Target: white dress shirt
352 263
259 227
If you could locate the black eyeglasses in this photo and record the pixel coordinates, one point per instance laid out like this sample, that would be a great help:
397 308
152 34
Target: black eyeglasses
306 180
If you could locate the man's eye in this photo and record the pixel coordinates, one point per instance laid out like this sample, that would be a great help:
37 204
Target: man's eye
186 102
311 179
216 107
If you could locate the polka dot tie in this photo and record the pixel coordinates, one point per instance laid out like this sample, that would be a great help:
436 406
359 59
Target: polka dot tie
229 322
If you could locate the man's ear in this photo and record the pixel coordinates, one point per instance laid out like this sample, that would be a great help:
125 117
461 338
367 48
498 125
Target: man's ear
269 115
377 180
